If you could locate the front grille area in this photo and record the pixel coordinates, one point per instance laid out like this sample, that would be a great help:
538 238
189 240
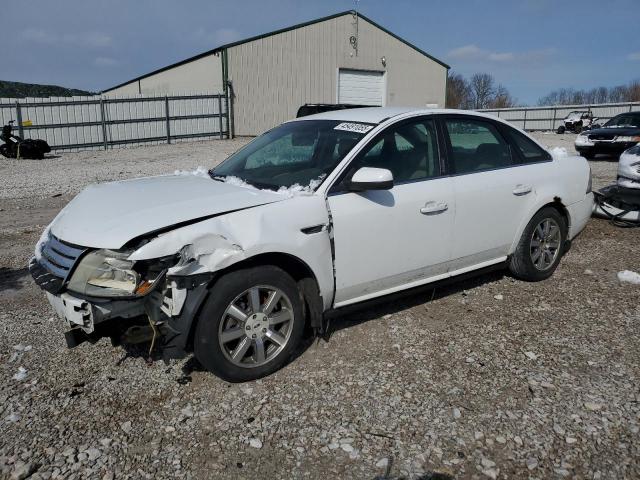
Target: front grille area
56 261
601 136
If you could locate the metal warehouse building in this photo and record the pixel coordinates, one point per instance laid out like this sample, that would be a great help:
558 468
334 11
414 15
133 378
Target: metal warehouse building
343 58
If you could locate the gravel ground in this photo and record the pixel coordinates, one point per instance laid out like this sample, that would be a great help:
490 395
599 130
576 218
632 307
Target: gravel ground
488 378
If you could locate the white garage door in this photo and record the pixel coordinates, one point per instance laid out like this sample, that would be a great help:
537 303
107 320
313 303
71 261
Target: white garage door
361 87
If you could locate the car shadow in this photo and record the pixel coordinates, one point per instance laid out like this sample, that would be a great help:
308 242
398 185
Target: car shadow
377 308
12 278
153 356
344 318
605 158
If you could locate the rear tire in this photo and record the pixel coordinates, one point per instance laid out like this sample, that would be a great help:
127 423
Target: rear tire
6 152
242 333
541 246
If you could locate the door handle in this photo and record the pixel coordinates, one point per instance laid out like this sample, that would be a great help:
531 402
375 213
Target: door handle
434 207
522 189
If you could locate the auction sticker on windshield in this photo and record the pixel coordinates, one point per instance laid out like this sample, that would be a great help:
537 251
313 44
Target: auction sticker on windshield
353 127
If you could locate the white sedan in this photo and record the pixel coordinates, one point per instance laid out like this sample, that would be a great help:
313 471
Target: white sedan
319 213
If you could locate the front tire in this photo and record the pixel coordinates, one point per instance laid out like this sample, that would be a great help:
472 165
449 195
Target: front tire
541 246
250 325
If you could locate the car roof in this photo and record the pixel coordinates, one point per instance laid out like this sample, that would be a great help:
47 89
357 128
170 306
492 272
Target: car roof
380 114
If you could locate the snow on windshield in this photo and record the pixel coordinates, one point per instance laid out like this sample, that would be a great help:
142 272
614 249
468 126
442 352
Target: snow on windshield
198 172
294 190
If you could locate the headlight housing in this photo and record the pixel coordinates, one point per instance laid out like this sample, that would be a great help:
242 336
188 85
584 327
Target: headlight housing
628 138
108 273
583 139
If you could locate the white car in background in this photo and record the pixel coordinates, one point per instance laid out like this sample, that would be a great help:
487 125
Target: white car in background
322 212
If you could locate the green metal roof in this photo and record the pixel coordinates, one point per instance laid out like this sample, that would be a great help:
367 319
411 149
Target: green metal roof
276 32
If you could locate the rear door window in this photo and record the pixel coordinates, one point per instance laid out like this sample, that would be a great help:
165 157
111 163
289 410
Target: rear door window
529 151
476 145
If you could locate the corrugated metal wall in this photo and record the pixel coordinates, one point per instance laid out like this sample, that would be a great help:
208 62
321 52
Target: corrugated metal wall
550 118
202 75
94 122
274 75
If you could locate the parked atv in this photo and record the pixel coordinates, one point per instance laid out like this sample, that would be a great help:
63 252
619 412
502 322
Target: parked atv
577 121
16 147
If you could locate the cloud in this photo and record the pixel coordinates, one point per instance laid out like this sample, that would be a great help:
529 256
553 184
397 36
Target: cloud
501 57
634 56
226 35
468 51
37 35
473 52
82 39
217 37
91 39
105 62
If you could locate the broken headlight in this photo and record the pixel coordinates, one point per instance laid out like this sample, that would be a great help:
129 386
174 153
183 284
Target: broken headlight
108 273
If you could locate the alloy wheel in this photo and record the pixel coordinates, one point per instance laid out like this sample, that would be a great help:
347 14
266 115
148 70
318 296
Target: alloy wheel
545 244
256 326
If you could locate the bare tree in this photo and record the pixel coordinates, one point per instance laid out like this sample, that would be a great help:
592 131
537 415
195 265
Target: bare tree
480 92
502 98
458 92
482 89
633 91
569 96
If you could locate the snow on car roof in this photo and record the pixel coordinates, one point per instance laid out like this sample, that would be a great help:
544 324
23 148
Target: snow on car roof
378 114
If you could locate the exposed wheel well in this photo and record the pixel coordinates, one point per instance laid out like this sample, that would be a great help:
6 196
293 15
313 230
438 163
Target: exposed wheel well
299 271
290 264
559 206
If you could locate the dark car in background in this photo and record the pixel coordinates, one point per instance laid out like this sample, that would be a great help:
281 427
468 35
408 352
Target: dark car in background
613 138
313 108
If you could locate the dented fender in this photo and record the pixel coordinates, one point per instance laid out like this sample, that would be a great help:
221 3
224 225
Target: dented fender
217 243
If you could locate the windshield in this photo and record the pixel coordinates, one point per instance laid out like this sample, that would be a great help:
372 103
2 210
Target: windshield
624 121
296 153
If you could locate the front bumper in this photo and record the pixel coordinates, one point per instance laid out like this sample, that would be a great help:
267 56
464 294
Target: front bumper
85 315
604 148
171 310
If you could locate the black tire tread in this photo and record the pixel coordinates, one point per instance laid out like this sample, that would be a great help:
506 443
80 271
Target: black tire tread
205 344
520 264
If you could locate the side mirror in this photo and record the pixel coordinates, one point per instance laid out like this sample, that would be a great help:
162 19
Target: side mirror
369 178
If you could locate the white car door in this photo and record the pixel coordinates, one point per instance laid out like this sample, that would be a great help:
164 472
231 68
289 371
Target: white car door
387 240
493 192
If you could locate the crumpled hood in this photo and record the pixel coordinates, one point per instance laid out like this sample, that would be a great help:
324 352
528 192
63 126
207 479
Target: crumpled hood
108 215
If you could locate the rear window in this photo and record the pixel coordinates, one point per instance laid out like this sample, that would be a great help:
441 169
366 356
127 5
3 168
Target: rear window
628 120
528 149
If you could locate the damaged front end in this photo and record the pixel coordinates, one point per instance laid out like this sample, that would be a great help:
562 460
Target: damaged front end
103 293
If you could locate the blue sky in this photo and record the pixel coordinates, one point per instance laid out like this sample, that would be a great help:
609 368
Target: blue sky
530 46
